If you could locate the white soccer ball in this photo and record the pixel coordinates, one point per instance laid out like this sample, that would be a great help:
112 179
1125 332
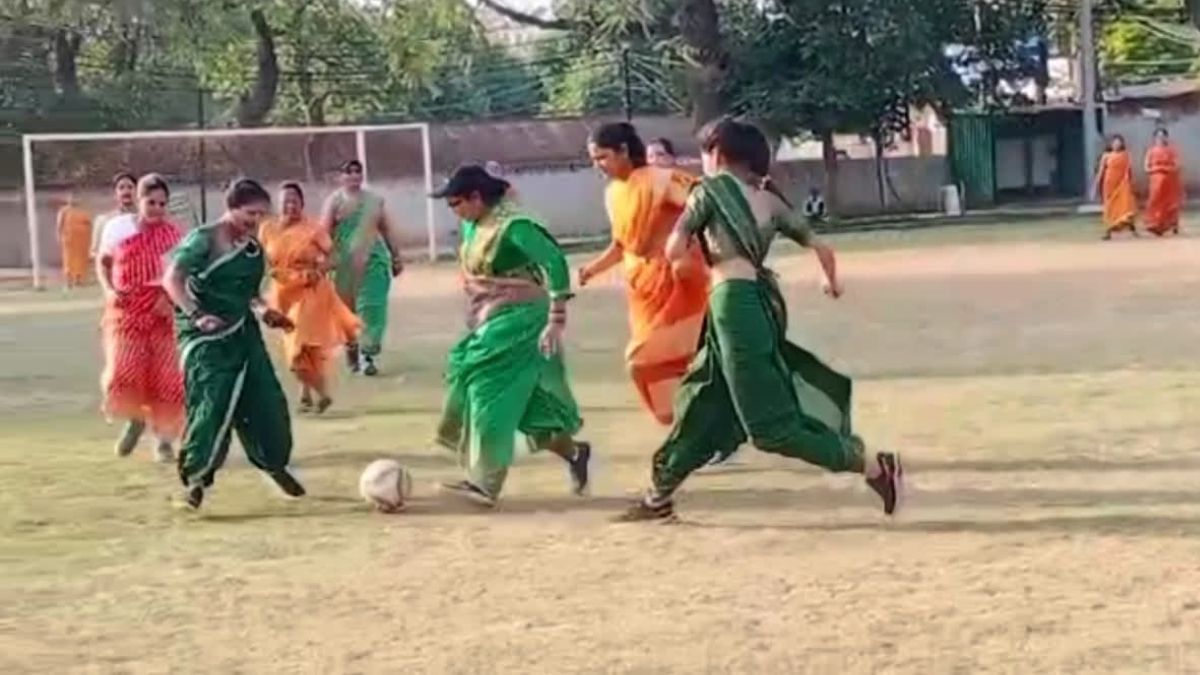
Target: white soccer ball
386 485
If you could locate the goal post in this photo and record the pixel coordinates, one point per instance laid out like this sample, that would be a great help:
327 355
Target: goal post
397 162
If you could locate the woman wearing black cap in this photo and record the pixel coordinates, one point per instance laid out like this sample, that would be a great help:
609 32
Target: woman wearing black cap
507 373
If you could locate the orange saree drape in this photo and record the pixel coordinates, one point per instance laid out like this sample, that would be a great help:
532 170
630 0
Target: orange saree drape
75 238
1120 204
1166 190
298 255
666 306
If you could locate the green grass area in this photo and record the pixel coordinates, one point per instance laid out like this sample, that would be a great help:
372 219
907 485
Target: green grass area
1042 385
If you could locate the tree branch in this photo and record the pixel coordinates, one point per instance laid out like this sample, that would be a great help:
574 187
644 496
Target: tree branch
526 19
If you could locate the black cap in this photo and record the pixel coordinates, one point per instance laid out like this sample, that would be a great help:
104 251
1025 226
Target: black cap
468 179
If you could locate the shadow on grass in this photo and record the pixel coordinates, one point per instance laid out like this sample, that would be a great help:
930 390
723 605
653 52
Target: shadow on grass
1122 524
1084 465
817 498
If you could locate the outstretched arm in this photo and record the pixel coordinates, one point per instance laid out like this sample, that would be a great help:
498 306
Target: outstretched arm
602 263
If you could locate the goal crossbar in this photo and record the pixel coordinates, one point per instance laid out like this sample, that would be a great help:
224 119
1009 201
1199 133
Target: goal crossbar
360 132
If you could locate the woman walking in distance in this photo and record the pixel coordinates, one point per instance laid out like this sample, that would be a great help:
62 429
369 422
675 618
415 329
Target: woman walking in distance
507 374
748 382
75 241
1166 186
666 298
214 279
125 196
1114 181
141 379
299 253
367 258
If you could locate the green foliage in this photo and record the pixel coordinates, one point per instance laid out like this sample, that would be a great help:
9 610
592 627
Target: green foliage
1132 50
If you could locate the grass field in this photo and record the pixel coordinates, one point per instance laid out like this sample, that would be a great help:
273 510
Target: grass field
1044 388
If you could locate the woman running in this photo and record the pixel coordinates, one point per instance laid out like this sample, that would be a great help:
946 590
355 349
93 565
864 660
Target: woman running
666 298
1114 181
748 382
1166 186
367 257
214 278
141 380
299 253
507 375
125 196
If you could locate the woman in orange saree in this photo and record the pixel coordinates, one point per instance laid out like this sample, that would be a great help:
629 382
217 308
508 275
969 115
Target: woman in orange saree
75 240
1166 186
142 382
666 302
1114 181
299 252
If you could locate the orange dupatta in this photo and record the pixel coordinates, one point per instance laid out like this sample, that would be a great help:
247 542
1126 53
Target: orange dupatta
1166 190
666 306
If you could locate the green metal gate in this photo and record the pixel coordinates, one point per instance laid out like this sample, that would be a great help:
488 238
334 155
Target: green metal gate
973 157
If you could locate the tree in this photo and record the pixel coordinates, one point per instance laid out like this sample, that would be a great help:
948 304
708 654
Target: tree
690 28
1134 47
860 66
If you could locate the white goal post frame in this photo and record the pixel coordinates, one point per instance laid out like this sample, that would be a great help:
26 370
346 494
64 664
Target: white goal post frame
360 133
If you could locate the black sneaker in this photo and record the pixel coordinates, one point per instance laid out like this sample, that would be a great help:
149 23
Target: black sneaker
369 368
579 467
323 405
130 438
306 405
352 357
288 483
889 482
193 497
471 492
647 509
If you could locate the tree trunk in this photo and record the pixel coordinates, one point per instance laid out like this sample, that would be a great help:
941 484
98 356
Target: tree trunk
253 107
877 141
830 159
66 70
1193 8
703 49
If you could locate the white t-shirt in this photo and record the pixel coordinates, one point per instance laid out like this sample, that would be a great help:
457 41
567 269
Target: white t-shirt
116 230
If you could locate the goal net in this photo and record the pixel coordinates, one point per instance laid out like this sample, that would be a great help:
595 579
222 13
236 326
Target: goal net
199 163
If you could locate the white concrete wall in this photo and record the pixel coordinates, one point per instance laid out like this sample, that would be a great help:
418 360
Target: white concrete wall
569 201
1138 132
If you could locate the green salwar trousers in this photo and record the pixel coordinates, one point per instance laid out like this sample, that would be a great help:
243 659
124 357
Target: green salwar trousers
231 387
748 383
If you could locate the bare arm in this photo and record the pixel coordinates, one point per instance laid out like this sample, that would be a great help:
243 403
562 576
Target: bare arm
602 263
328 218
61 224
388 231
104 268
679 241
175 285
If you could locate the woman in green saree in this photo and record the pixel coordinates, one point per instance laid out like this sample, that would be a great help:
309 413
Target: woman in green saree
214 278
507 374
367 256
748 382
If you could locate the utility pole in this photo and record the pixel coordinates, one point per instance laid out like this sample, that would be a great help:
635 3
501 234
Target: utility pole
627 98
202 123
1087 92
